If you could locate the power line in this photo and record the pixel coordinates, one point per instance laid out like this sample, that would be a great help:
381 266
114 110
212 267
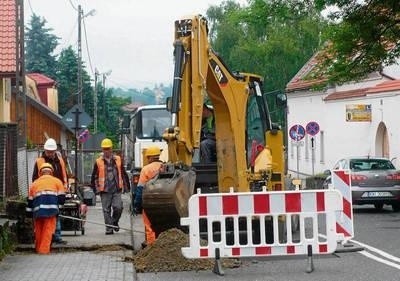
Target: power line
66 42
30 7
87 47
73 6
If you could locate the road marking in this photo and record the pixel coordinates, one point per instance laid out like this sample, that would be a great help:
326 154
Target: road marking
377 251
380 252
371 256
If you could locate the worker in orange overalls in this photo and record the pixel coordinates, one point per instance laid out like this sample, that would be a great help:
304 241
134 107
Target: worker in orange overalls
46 194
54 157
148 172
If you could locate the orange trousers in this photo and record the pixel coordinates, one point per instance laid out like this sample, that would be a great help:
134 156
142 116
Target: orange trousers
150 235
44 229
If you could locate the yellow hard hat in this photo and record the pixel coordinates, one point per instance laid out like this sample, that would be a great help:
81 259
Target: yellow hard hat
46 166
106 143
153 151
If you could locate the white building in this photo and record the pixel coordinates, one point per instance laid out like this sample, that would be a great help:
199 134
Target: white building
356 119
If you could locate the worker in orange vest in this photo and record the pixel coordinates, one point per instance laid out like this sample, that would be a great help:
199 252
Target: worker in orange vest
148 172
46 194
109 179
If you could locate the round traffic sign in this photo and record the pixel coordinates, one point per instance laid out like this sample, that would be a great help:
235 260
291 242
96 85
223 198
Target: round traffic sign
297 132
312 128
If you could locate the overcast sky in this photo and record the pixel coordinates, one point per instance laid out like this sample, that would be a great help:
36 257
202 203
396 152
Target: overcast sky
132 38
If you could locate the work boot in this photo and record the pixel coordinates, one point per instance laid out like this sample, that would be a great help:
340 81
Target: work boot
55 240
116 228
144 245
109 232
60 241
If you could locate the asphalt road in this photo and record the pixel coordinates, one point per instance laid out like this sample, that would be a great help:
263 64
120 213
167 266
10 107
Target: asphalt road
376 231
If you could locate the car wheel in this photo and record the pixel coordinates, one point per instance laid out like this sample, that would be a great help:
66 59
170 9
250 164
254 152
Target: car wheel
378 206
396 207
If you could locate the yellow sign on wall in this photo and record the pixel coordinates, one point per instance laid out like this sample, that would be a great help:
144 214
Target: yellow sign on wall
358 113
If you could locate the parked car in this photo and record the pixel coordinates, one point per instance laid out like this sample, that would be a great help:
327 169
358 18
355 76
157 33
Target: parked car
373 181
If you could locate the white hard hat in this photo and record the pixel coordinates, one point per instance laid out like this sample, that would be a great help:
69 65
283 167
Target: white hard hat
50 144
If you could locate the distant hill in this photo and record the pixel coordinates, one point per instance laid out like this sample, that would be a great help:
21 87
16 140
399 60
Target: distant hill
157 95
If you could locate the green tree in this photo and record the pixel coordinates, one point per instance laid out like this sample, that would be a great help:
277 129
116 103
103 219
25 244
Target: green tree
67 78
268 37
363 38
67 70
110 112
272 38
40 46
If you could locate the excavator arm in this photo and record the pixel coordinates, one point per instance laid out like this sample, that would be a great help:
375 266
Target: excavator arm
245 136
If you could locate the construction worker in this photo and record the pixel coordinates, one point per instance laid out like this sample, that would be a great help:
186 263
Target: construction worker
52 156
148 172
208 143
46 194
109 179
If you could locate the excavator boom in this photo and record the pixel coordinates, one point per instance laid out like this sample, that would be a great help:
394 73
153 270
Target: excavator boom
245 135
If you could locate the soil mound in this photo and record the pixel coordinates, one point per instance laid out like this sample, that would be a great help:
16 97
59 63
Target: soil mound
165 255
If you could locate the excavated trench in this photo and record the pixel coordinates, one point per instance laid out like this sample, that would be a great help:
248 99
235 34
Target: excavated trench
164 255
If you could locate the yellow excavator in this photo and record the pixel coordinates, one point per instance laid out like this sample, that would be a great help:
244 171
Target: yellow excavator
249 147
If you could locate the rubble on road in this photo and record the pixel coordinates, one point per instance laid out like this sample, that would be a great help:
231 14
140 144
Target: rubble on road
165 255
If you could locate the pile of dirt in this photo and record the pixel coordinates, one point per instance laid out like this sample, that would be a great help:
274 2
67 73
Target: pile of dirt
165 255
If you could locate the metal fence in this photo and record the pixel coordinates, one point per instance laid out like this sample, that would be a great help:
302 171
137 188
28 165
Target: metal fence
85 161
8 160
16 165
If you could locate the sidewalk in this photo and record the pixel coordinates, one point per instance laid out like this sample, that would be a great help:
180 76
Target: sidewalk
92 256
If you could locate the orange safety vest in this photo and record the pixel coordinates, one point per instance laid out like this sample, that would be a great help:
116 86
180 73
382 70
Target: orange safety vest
149 171
101 168
41 160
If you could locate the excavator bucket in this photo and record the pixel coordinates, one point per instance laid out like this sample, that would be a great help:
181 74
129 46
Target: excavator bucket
165 199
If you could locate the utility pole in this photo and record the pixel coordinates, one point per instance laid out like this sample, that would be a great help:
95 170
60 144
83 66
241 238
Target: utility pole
104 95
104 76
79 55
96 73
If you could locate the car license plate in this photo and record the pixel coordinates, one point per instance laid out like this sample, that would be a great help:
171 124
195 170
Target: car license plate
377 194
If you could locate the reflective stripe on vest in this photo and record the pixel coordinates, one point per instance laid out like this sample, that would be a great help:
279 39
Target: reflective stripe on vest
101 167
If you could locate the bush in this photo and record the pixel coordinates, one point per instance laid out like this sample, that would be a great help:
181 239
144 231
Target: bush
7 241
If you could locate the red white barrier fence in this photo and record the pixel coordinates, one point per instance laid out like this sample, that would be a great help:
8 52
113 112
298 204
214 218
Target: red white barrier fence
341 181
248 224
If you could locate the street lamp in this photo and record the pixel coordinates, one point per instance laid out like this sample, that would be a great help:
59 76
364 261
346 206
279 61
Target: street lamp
81 16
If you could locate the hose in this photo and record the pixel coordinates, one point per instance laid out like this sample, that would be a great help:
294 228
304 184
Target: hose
99 223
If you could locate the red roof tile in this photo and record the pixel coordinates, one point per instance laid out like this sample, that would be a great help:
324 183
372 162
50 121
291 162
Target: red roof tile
40 79
347 94
387 86
7 36
300 81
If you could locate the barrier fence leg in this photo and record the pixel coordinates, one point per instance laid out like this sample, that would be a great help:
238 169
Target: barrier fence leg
310 262
217 265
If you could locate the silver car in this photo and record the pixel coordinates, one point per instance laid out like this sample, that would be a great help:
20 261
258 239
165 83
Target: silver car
373 181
